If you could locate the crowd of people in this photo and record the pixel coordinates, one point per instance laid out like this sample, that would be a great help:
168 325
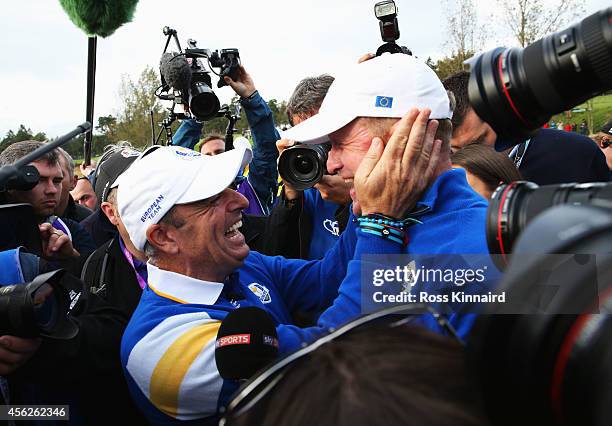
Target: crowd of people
167 241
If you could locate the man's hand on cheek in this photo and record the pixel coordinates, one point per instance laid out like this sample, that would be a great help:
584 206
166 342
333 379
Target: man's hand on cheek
391 179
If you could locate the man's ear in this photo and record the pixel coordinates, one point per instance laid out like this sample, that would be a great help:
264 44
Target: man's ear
75 179
162 238
109 211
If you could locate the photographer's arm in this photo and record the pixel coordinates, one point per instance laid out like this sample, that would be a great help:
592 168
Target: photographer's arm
188 134
262 171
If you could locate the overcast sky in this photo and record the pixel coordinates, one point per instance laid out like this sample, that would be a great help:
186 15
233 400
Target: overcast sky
44 68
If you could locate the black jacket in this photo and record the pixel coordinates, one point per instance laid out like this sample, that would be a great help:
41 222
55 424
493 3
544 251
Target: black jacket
555 156
99 227
86 371
288 230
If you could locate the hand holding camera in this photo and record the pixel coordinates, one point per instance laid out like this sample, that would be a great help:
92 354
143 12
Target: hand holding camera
243 84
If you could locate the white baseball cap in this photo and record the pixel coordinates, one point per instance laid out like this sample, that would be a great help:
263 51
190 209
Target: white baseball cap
385 86
172 175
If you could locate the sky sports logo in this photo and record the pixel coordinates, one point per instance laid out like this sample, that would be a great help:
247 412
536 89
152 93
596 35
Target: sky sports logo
234 339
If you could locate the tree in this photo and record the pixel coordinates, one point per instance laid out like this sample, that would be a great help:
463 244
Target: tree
107 125
23 134
465 34
450 65
530 20
133 122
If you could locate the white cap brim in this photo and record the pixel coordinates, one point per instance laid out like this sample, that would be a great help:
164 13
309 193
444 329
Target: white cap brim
219 171
316 129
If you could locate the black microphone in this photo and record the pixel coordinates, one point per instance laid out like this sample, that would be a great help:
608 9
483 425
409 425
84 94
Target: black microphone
175 71
246 342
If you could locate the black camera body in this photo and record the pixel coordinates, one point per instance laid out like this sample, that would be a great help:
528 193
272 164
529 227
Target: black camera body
228 60
302 166
185 73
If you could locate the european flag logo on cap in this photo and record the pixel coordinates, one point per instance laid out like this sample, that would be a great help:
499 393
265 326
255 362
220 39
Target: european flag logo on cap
384 102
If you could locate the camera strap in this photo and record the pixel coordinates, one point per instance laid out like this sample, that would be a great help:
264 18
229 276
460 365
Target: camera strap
518 153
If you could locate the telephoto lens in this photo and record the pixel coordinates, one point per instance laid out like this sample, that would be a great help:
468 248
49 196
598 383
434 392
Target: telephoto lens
514 205
37 308
548 348
517 90
302 166
203 103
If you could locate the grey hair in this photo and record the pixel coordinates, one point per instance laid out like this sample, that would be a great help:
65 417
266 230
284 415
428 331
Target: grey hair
169 218
117 147
20 149
150 252
308 96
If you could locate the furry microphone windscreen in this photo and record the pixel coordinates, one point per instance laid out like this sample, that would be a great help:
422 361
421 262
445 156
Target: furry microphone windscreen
99 17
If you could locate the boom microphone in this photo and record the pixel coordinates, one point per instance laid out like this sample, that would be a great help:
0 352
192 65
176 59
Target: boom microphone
246 342
99 17
175 71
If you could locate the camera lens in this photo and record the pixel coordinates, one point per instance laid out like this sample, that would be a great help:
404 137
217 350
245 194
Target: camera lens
513 206
203 103
45 307
303 166
517 90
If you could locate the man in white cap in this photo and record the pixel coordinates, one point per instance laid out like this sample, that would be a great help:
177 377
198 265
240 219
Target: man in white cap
359 115
178 206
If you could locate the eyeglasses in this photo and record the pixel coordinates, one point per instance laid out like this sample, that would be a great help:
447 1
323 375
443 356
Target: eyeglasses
605 143
256 388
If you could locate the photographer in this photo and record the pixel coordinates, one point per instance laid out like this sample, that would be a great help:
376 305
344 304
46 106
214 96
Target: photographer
88 364
261 183
306 224
63 238
550 157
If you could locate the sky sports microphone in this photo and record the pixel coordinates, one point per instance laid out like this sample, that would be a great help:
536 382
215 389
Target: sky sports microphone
175 71
99 17
246 342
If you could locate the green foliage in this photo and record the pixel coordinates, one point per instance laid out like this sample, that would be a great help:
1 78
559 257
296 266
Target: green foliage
138 100
449 65
219 125
23 134
99 17
597 112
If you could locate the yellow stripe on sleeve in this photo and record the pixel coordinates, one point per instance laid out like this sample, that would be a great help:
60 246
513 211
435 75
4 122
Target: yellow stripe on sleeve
171 369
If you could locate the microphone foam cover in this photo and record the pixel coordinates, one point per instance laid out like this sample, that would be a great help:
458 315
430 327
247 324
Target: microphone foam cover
99 17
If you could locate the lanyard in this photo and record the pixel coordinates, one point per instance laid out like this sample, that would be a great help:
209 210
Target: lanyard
518 153
141 281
